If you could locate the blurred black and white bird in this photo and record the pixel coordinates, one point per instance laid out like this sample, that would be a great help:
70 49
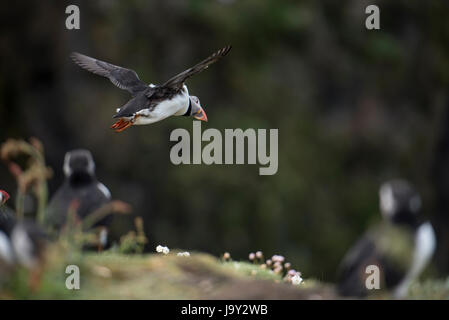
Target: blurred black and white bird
151 103
81 186
5 213
401 246
6 224
22 243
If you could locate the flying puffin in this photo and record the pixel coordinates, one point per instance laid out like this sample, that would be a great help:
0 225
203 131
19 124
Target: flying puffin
22 243
80 185
401 246
150 103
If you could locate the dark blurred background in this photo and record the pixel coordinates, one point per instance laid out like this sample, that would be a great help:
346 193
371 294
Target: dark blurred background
353 108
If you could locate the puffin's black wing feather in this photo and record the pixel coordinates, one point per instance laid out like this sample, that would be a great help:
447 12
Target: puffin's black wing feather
123 78
137 103
352 272
352 268
178 80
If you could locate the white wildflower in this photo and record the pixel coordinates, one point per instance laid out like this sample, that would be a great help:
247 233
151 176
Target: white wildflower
183 254
162 249
296 279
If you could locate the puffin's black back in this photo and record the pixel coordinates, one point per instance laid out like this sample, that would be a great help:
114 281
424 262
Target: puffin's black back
352 271
80 185
89 196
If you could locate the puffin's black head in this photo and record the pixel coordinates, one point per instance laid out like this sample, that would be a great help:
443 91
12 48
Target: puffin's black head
400 203
79 166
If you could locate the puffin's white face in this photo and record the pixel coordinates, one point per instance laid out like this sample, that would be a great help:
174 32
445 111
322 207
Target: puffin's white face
78 160
387 202
398 196
197 111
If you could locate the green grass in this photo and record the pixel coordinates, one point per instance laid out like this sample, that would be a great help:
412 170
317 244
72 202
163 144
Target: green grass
113 275
430 289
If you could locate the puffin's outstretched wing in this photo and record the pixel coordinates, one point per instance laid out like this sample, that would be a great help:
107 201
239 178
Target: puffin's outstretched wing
178 80
123 78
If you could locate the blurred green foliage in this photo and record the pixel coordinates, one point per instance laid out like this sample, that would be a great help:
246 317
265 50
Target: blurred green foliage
353 108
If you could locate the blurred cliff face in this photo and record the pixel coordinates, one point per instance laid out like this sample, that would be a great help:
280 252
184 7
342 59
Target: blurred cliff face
353 108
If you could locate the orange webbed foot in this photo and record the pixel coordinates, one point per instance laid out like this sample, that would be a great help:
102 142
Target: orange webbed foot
121 125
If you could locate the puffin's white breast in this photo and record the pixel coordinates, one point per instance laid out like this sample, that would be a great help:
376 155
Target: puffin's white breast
23 247
6 251
167 108
425 244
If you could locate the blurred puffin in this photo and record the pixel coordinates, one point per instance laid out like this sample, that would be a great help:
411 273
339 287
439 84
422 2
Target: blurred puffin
5 213
400 246
21 243
151 103
6 224
80 185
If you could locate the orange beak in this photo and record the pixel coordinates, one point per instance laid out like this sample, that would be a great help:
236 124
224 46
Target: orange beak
5 196
201 115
